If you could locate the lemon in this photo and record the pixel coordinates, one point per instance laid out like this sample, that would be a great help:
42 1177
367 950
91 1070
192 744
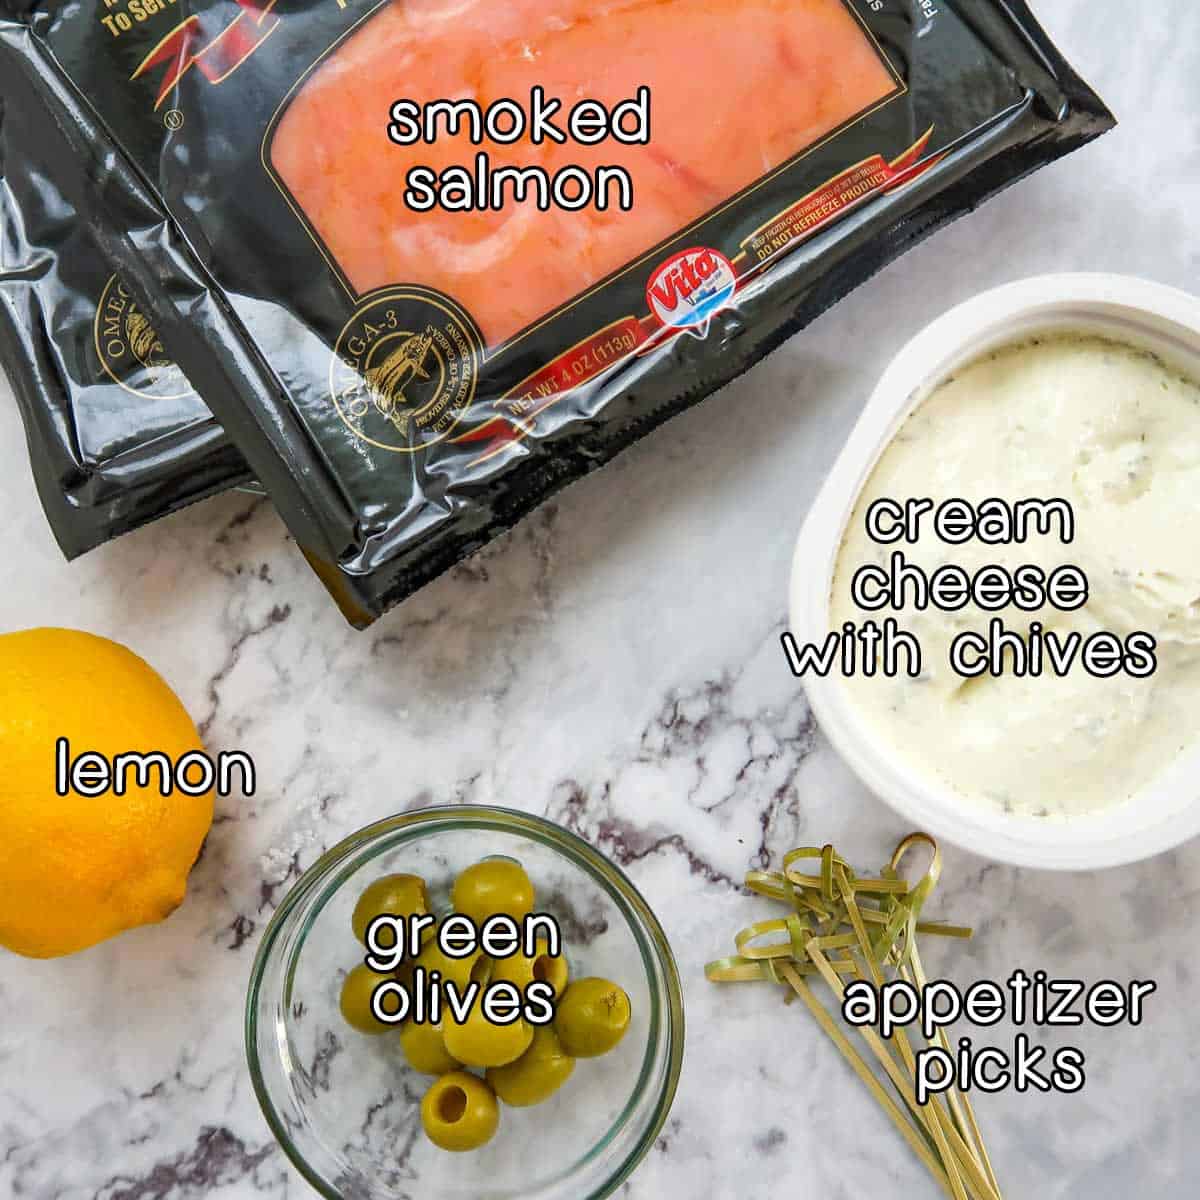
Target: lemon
74 871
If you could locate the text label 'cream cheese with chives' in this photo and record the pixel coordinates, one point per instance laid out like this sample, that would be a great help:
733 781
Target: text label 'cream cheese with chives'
1020 561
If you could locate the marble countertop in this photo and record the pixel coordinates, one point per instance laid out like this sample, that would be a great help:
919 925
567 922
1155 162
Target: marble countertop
615 664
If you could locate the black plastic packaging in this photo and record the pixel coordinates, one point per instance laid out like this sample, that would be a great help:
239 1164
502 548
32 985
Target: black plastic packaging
397 430
117 435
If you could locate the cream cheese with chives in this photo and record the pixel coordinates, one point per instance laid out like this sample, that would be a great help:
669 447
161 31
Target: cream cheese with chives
1115 432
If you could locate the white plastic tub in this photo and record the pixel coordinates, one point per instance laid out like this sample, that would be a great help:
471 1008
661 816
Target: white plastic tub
1138 312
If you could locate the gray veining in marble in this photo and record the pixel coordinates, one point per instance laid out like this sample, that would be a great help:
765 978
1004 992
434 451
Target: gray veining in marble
614 663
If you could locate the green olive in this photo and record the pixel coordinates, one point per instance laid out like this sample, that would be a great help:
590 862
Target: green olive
493 887
543 967
425 1050
401 896
355 1000
592 1017
479 1043
537 1074
461 972
460 1112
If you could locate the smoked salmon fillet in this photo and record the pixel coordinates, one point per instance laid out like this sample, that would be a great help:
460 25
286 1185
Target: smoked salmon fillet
738 87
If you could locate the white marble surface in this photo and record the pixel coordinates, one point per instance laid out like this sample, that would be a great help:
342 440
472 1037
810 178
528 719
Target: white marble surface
614 663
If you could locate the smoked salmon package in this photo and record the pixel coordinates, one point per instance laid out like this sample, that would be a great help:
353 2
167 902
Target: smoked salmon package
430 260
117 435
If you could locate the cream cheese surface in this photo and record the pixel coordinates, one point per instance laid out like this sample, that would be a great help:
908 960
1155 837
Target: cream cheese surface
1116 433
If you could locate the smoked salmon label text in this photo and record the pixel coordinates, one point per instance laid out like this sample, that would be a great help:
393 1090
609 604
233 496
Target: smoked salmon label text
486 187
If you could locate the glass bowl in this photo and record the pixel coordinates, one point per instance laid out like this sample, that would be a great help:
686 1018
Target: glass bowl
345 1106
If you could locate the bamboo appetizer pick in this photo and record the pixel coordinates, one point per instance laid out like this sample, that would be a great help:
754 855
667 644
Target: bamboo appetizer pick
845 927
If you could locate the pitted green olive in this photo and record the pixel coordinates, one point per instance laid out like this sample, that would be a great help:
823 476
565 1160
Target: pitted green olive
355 1000
424 1047
537 1074
401 896
542 967
460 1112
592 1017
479 1043
494 887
